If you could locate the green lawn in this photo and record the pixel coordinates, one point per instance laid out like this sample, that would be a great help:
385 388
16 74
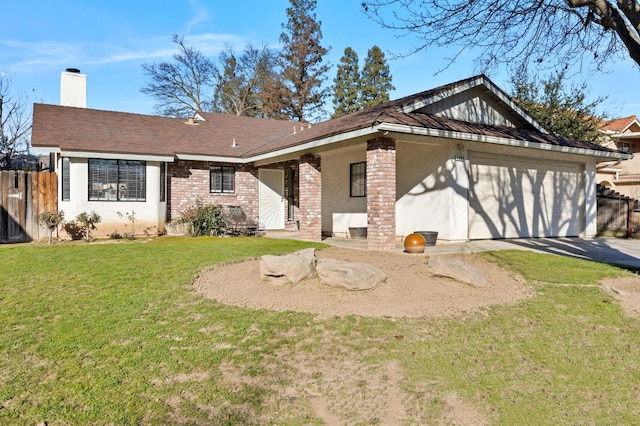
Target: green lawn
112 334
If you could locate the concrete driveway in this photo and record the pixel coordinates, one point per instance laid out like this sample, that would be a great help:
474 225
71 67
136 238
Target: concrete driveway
614 251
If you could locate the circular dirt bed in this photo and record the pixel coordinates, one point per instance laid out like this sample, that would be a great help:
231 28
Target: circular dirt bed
409 291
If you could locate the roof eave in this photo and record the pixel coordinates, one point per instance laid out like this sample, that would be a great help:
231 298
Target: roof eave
115 156
449 134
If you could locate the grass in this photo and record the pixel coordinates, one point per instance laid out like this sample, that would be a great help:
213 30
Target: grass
112 334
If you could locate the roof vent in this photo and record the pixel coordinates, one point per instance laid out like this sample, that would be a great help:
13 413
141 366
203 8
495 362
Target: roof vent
234 144
73 70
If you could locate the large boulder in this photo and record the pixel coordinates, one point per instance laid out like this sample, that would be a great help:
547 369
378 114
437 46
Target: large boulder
290 268
349 275
456 270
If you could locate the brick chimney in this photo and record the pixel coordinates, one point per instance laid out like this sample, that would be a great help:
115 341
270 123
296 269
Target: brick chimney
73 88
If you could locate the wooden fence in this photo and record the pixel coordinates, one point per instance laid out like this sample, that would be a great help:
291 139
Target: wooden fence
23 197
616 216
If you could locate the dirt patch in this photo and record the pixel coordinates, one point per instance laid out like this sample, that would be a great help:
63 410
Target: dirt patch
626 291
409 291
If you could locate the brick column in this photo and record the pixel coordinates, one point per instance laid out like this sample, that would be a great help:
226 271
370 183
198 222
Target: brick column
310 201
381 194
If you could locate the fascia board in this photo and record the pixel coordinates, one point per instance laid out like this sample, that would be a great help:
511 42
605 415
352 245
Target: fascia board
317 143
116 156
448 134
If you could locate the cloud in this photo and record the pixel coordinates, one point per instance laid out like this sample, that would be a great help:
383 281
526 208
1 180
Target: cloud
202 15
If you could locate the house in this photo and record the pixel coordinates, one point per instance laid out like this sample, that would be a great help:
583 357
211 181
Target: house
622 134
462 159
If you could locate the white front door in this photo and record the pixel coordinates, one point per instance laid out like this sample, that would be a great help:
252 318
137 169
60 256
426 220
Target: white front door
271 198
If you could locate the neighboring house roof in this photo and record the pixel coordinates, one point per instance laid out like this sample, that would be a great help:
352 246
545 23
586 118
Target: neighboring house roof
619 125
438 112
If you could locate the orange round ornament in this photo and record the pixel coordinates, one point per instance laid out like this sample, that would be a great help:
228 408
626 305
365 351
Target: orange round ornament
414 243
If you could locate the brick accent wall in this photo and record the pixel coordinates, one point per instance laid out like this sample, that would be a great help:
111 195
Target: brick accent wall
310 199
188 181
381 193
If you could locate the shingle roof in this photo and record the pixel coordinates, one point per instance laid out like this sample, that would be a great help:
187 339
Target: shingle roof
82 129
79 129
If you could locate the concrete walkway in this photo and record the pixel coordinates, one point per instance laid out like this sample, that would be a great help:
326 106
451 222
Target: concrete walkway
615 251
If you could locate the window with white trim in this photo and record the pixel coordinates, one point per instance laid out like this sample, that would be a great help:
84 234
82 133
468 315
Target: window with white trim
117 180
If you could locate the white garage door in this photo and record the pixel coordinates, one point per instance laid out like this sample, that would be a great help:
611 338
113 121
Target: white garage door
510 197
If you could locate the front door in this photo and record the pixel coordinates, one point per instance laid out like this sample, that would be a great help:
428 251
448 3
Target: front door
271 198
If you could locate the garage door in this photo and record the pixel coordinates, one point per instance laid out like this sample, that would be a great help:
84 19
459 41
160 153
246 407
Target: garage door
512 197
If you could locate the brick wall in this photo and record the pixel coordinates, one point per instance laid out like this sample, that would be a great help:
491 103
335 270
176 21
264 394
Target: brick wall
381 193
310 199
188 181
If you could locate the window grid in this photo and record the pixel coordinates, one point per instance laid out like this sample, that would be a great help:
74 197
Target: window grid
66 179
117 180
222 179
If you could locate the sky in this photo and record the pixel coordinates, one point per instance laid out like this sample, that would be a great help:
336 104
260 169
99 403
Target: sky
110 40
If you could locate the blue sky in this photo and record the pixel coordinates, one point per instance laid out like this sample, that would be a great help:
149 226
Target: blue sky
110 40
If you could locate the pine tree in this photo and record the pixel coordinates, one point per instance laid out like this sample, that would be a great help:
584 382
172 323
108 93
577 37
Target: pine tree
346 88
303 72
376 79
561 110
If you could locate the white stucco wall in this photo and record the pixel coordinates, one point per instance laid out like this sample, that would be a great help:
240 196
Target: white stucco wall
335 189
149 214
424 192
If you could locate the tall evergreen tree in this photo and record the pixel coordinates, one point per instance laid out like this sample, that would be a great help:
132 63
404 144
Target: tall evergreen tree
375 79
346 85
561 110
303 72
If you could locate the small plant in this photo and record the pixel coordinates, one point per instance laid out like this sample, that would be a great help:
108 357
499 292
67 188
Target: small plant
51 220
131 217
87 223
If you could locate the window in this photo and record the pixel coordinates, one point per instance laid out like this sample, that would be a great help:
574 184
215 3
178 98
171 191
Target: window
117 180
163 182
624 147
222 179
358 179
291 198
66 179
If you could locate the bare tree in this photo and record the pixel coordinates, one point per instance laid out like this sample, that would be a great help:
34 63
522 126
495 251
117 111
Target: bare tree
184 86
529 31
15 124
240 87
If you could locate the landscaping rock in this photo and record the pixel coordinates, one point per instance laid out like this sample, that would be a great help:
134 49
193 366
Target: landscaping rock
290 268
349 275
456 270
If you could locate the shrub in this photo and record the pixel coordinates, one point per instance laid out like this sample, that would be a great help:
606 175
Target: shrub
87 223
51 220
207 220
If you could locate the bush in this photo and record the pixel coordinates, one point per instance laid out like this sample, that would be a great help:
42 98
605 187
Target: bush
87 222
206 220
51 220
